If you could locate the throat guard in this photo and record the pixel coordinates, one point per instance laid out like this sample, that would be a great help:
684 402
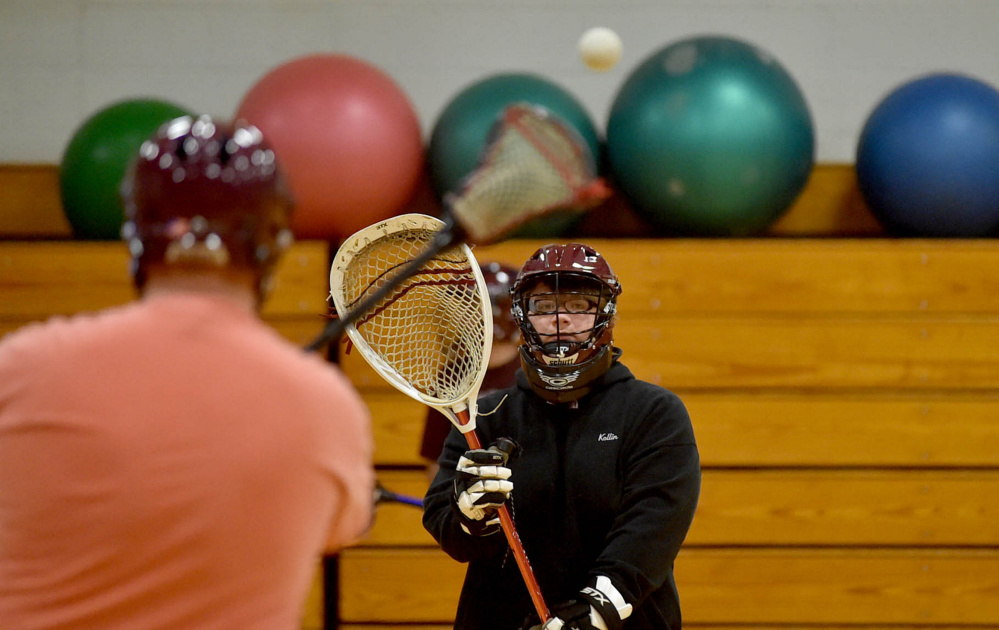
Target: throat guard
564 381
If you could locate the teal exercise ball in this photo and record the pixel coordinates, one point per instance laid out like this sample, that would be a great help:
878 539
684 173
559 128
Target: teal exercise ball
710 136
460 132
94 163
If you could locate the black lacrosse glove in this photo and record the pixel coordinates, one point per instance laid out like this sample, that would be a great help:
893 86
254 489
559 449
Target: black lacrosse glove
481 486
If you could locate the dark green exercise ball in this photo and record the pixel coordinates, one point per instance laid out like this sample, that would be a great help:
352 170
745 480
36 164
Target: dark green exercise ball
95 161
710 136
460 132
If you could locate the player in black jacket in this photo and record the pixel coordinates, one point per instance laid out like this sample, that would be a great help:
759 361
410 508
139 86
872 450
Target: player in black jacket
603 484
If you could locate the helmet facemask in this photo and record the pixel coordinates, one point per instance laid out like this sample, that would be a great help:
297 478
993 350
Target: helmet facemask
565 318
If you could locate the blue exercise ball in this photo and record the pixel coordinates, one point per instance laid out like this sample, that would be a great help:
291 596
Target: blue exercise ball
710 136
460 133
928 158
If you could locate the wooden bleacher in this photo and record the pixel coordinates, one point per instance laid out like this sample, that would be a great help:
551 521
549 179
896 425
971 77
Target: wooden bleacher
844 393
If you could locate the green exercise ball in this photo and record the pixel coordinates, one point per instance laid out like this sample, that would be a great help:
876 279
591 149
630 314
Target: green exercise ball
96 158
460 132
710 136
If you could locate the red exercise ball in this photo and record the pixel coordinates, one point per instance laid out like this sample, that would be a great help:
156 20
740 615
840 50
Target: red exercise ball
346 136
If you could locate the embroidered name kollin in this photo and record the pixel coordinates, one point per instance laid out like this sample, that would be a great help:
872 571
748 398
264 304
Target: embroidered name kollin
606 437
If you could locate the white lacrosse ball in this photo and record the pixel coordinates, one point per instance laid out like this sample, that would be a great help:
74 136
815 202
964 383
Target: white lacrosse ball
600 48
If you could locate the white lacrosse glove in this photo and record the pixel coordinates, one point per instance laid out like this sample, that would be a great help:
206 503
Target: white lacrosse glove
481 486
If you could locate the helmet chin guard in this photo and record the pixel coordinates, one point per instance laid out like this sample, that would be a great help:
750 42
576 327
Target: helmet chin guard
565 383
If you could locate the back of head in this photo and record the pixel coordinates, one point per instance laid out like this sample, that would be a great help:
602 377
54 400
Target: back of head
205 194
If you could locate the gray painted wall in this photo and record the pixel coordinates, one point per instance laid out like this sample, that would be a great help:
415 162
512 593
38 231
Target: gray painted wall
62 60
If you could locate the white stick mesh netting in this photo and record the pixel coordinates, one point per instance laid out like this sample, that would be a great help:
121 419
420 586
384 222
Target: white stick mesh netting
430 329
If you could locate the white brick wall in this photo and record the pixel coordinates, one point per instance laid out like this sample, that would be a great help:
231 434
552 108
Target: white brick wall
61 60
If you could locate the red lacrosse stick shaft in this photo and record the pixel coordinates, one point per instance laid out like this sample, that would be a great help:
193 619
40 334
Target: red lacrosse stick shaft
512 537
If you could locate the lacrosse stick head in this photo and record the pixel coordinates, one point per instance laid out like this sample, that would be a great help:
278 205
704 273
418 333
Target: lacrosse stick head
430 336
533 164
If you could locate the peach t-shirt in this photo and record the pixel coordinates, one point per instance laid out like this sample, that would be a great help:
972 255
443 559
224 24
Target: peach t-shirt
172 464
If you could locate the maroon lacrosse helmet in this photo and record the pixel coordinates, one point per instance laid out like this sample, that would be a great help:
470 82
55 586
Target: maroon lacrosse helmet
563 370
206 193
499 279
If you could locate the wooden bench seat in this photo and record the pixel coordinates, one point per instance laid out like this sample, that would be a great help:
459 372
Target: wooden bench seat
794 428
792 353
39 279
792 276
723 586
781 508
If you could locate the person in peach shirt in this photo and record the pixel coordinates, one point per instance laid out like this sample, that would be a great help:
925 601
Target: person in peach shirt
175 463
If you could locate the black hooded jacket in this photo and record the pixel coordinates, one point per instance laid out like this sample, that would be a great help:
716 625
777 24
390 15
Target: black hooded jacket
608 488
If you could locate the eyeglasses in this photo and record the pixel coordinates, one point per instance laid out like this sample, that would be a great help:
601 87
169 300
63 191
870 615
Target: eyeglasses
574 304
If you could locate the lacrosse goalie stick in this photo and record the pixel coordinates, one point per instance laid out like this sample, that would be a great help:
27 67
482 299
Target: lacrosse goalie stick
431 335
532 164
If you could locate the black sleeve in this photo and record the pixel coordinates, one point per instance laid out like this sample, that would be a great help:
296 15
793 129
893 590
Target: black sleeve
439 518
662 480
